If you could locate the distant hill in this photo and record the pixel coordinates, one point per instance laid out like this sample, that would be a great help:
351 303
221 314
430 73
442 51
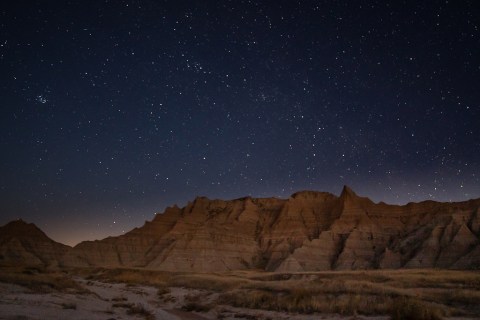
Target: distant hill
24 243
310 231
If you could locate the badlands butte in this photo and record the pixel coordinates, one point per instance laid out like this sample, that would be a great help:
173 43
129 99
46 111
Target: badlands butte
310 231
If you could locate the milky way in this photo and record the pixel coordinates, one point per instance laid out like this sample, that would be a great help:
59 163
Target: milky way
112 110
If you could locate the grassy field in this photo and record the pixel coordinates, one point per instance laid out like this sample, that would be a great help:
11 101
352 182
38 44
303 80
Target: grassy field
402 294
41 280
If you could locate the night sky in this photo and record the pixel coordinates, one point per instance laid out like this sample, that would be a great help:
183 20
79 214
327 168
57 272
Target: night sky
113 110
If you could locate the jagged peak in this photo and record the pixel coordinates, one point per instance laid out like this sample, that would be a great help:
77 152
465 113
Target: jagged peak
23 228
348 192
349 196
200 198
464 231
20 223
173 208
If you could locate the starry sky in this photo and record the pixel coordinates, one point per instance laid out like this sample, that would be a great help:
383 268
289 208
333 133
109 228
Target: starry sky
113 110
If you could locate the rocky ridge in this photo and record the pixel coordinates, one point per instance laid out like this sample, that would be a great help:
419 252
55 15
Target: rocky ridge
310 231
24 243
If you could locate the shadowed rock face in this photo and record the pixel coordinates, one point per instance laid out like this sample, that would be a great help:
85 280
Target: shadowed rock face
310 231
23 243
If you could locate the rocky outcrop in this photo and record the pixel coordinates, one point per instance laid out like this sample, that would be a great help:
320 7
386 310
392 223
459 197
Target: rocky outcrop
316 255
455 244
134 249
310 231
24 244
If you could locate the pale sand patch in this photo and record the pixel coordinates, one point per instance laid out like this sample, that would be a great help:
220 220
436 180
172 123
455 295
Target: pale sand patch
19 303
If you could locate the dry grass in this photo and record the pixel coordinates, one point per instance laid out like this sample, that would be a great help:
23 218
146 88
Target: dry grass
402 294
40 280
135 309
211 282
139 309
405 294
303 301
163 291
69 305
195 306
408 308
163 280
128 276
436 292
195 303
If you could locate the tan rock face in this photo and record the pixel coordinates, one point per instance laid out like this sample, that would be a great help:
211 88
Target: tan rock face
309 231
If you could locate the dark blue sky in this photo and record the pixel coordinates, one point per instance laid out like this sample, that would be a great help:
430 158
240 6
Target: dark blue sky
112 110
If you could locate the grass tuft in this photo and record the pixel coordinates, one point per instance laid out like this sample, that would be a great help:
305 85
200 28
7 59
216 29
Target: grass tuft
69 305
410 309
195 306
40 280
139 309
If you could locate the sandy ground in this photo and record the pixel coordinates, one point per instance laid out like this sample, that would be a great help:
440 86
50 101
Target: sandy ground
107 301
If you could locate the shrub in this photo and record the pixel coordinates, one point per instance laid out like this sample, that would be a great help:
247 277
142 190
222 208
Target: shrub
139 309
162 291
69 305
195 306
411 309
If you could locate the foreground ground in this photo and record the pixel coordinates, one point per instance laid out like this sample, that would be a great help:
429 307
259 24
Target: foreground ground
35 293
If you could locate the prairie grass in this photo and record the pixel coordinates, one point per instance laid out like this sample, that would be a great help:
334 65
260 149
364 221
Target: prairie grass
406 294
302 301
123 304
69 305
211 282
195 303
40 280
163 280
163 291
140 310
196 306
402 294
407 308
127 276
134 309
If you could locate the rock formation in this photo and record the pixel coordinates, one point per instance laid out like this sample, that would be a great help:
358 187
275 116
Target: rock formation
310 231
23 243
